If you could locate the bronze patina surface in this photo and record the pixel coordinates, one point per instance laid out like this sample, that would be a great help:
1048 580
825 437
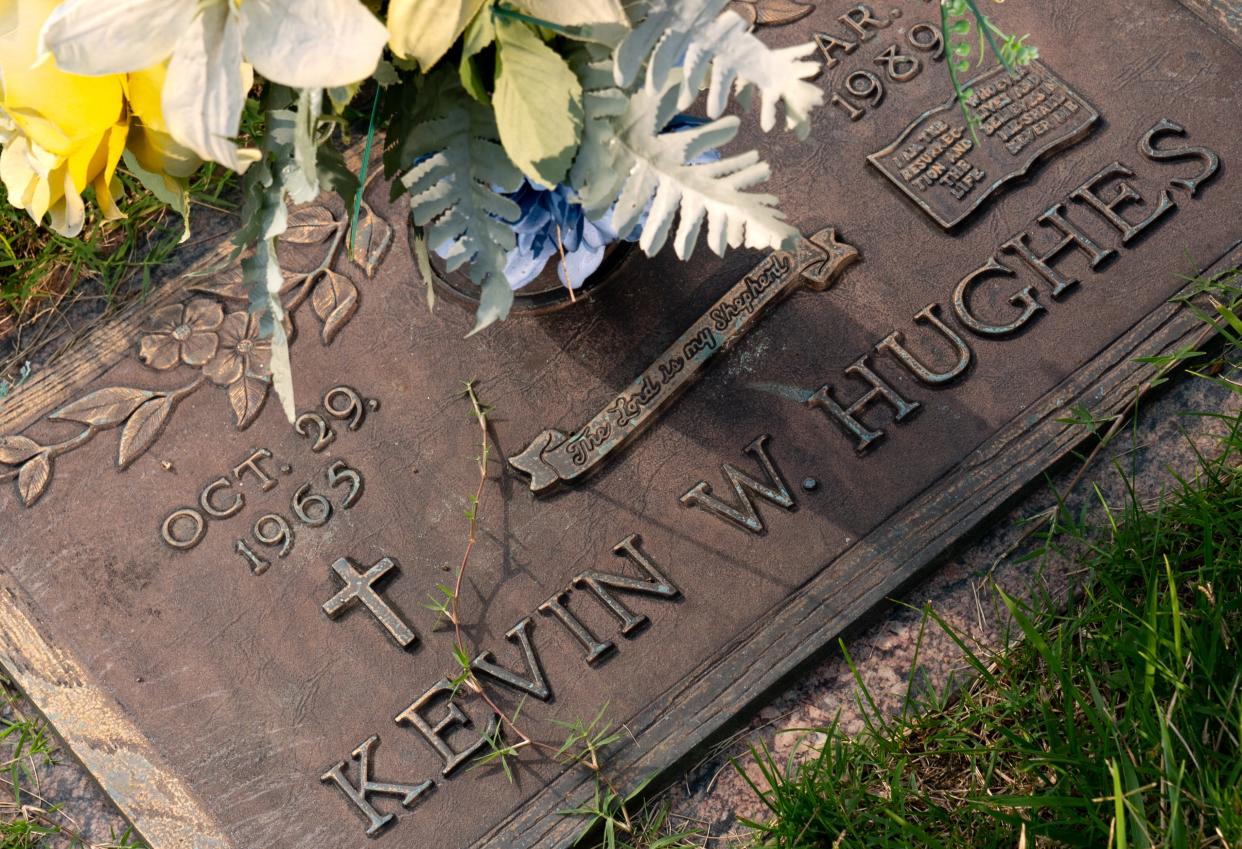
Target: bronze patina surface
224 615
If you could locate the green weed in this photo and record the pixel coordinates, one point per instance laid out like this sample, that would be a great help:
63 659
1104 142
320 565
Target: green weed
27 820
1114 724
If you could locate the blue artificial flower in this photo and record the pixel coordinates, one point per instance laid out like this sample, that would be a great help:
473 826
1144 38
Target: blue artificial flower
549 215
584 239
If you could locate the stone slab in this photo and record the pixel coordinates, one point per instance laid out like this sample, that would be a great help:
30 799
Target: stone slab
209 690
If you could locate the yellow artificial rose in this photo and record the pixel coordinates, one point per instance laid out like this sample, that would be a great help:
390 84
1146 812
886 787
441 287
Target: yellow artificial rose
149 139
62 133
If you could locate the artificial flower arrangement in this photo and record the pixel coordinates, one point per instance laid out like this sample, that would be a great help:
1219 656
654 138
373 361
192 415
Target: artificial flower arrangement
519 129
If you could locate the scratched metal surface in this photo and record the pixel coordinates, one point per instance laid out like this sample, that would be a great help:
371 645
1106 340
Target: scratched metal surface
245 692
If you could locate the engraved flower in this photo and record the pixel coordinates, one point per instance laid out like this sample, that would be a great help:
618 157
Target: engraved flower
182 333
243 351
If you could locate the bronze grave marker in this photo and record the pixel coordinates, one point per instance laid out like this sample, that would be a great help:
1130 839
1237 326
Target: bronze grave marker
224 615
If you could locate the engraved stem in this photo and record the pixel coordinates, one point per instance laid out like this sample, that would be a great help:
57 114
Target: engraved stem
89 432
177 394
309 279
54 451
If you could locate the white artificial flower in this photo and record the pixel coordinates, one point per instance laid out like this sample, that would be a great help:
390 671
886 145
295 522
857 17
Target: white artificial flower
213 44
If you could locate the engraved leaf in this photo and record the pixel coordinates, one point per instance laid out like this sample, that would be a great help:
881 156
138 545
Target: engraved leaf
309 225
229 285
334 300
33 478
226 284
143 428
777 12
372 240
103 408
746 9
247 395
15 450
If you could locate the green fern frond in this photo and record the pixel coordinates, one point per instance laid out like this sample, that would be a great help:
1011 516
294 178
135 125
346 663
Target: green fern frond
626 163
457 173
714 48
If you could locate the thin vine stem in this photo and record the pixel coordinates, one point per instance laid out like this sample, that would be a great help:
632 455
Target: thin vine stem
591 760
480 416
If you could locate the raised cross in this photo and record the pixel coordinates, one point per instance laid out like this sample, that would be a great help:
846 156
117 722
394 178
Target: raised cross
359 587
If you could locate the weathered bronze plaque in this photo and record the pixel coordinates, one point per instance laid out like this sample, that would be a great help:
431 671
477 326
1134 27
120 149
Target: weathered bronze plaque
224 615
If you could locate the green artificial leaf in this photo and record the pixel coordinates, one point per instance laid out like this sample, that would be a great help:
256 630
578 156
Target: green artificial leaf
457 174
273 327
423 260
538 103
335 176
385 74
167 190
592 175
341 96
265 217
600 21
495 301
479 35
576 13
717 50
424 30
625 162
302 182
